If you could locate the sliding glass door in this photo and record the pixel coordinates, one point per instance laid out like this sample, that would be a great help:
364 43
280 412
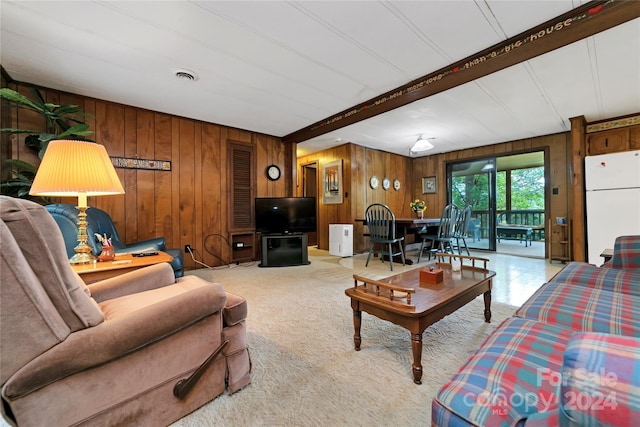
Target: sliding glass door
473 183
507 189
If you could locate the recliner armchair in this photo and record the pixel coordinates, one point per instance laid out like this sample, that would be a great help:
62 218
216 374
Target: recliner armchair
66 216
114 352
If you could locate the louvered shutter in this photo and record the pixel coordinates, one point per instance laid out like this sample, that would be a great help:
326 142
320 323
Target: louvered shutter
242 160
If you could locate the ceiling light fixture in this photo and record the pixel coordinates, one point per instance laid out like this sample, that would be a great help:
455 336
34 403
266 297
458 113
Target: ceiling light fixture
420 145
184 74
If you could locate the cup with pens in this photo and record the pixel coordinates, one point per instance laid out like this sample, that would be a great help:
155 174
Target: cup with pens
108 252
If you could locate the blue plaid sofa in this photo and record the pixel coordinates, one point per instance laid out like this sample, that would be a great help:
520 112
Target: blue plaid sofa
570 356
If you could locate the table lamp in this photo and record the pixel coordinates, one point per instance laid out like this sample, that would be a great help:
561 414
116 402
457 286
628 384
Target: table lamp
77 169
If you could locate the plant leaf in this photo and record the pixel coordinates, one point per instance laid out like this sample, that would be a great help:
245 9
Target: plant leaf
36 93
19 99
33 143
21 165
63 110
18 131
80 130
45 144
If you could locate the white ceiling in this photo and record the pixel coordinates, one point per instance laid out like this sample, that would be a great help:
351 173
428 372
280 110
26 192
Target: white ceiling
276 67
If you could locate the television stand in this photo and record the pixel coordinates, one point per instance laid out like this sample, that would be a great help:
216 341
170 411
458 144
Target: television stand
283 250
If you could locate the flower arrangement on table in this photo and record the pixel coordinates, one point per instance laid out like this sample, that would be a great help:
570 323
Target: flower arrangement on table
418 206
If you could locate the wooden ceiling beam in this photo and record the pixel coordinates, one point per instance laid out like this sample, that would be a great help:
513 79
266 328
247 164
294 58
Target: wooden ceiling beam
577 24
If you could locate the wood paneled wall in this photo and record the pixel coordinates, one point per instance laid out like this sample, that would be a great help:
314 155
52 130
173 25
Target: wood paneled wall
358 165
555 146
329 213
557 160
187 205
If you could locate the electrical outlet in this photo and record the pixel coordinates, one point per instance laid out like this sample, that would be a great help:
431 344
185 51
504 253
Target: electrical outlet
187 249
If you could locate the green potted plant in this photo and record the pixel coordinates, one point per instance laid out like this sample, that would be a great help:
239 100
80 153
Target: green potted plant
60 122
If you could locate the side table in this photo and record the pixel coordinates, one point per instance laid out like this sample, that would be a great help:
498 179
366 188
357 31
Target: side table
607 254
124 263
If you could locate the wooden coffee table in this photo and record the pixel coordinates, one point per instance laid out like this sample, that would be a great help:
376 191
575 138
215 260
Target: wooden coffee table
405 301
124 263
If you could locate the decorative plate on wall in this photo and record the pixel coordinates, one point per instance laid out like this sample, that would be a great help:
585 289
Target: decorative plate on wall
386 183
396 184
373 182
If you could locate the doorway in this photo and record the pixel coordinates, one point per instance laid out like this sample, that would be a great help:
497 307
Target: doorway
506 193
310 189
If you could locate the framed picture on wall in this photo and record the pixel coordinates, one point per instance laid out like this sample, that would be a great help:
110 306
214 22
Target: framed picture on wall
332 182
429 184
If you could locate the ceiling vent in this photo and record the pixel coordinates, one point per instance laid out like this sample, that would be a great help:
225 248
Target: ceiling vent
184 74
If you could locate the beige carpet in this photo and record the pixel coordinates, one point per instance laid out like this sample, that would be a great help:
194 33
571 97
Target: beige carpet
305 369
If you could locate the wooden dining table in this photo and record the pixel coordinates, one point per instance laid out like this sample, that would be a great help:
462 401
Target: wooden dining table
406 227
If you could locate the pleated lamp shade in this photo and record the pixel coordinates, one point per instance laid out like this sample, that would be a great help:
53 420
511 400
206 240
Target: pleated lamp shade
76 168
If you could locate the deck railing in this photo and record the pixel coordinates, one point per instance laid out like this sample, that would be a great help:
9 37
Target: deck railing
530 217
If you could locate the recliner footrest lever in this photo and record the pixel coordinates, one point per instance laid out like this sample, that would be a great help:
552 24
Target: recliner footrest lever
184 386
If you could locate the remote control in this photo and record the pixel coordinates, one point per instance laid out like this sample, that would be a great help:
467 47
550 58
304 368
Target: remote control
141 254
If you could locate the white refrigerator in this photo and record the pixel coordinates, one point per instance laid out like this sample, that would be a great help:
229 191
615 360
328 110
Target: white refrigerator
612 183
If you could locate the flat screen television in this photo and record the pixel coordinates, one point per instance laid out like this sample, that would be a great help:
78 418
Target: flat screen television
285 215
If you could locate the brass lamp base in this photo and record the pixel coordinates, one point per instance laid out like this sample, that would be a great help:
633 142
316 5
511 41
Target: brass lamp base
81 259
83 255
84 252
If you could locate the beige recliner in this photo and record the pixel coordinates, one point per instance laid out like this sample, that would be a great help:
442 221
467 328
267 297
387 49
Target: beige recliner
110 353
